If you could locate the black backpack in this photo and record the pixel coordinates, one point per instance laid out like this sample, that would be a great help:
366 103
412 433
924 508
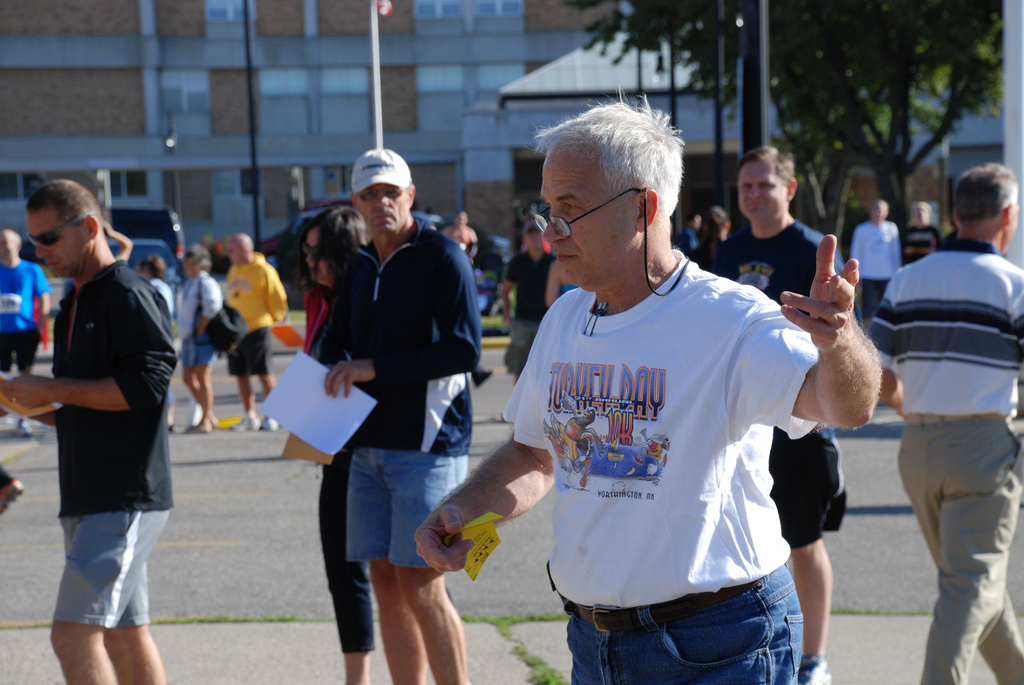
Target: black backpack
226 329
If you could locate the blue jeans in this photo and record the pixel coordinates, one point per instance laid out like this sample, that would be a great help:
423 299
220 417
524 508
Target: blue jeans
390 493
753 638
871 296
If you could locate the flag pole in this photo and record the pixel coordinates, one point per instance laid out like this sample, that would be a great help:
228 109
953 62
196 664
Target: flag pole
378 127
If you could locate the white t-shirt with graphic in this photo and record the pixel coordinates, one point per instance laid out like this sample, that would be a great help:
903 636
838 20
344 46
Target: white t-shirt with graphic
660 424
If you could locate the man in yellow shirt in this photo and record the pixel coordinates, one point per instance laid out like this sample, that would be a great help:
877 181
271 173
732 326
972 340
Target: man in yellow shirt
255 290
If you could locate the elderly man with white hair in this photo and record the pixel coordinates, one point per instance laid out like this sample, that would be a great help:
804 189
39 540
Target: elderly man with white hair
648 401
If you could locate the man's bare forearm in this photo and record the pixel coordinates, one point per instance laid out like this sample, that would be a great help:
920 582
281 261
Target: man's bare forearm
847 378
509 482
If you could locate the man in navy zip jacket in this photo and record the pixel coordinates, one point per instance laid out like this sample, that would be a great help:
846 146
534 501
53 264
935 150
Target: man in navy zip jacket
113 358
407 332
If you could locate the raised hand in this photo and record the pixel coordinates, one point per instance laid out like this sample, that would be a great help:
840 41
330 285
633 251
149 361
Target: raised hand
827 311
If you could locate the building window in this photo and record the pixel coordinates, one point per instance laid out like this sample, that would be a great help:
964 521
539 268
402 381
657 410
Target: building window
19 186
492 77
499 8
283 82
185 91
129 184
344 82
438 9
228 10
233 182
441 79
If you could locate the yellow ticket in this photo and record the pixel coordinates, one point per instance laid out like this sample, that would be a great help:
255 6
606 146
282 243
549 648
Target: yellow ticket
485 538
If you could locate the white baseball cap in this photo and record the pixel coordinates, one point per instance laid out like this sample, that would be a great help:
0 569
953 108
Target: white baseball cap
380 166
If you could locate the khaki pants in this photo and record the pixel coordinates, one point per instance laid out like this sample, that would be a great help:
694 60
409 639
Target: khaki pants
963 478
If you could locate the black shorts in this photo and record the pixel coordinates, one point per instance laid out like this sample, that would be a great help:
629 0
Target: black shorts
23 344
252 356
808 488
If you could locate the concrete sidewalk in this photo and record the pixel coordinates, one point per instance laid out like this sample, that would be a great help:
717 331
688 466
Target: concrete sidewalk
864 650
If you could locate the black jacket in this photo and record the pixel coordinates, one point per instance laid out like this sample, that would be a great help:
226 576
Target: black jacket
115 460
416 316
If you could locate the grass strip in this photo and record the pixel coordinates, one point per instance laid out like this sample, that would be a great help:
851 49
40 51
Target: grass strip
540 672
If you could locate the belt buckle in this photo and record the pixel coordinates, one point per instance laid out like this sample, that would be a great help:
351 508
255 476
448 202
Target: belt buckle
597 622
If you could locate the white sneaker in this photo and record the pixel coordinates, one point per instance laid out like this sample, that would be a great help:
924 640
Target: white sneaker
24 429
249 423
814 672
269 424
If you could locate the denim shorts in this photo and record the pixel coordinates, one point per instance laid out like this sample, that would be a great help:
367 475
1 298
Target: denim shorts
197 351
754 637
390 493
104 581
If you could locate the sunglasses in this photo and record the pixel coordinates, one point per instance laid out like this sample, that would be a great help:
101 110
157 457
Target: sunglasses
561 226
48 238
372 195
312 252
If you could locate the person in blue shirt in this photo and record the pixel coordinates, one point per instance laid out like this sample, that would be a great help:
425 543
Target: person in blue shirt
21 284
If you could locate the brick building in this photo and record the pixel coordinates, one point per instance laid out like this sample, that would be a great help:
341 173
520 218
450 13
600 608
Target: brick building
92 85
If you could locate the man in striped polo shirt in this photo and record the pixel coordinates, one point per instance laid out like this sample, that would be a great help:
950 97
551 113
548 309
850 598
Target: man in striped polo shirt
950 331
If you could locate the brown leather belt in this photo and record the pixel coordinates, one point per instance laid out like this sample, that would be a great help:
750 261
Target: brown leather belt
607 620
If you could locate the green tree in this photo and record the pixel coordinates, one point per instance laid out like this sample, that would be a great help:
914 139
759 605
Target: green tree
878 82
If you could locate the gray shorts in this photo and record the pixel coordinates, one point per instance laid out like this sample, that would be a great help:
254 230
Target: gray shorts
104 581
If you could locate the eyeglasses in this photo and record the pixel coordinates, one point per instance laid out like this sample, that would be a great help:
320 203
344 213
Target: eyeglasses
561 226
48 238
312 252
372 195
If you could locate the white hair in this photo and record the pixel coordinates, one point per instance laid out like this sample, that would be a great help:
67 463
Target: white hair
633 145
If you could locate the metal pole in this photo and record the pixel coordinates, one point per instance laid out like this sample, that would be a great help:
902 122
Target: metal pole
254 166
171 143
378 118
672 82
1013 105
639 72
719 77
755 73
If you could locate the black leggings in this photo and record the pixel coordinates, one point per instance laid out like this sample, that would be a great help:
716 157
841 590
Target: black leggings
348 581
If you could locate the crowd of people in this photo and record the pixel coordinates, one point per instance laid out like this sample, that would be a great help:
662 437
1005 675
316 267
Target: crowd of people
738 359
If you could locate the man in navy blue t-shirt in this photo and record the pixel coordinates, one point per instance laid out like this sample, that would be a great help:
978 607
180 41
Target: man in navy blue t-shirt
776 253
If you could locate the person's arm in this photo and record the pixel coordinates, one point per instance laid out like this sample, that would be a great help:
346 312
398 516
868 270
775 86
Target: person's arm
35 391
124 243
44 308
211 299
506 300
892 391
277 298
144 361
842 388
509 483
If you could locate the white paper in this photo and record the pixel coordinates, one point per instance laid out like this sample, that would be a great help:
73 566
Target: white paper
299 403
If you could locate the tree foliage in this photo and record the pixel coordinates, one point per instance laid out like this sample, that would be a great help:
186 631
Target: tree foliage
876 82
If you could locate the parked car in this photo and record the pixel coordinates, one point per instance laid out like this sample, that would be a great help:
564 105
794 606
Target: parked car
492 258
155 223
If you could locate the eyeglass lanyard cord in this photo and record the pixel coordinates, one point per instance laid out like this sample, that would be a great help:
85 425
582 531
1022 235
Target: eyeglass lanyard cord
602 307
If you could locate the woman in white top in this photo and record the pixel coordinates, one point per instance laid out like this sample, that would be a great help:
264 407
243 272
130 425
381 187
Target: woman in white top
200 301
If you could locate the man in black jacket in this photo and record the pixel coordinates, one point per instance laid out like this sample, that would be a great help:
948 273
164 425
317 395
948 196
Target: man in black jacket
112 363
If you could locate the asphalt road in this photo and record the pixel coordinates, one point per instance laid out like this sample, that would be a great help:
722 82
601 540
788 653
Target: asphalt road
243 540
